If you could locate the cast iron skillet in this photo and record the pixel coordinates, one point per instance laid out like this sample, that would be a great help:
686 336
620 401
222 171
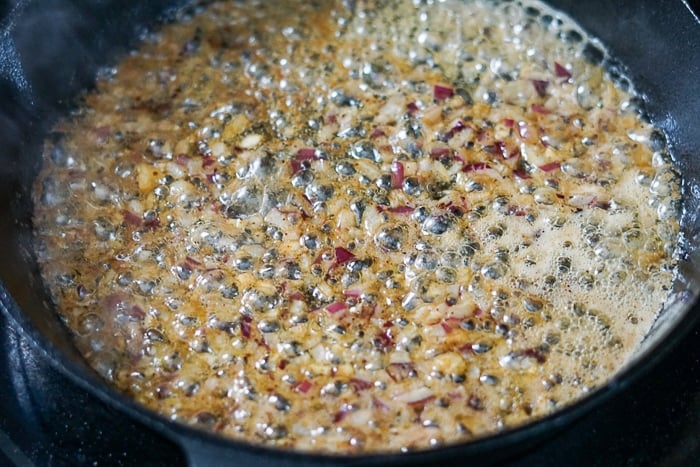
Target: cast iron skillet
50 50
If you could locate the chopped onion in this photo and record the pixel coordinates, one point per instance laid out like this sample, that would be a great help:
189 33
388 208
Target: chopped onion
304 386
397 174
343 255
341 414
397 209
540 86
522 174
359 384
449 324
539 109
245 326
442 92
336 307
440 152
131 219
376 133
303 154
549 166
307 153
561 71
458 127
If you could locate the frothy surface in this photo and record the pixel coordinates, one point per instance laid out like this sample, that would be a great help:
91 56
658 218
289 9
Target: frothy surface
367 227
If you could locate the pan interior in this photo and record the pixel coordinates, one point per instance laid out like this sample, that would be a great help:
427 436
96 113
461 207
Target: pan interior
35 102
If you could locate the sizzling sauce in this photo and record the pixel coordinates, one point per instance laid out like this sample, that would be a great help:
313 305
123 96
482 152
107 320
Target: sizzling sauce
358 226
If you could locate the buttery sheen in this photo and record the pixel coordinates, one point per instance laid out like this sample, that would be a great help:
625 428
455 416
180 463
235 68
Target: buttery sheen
358 226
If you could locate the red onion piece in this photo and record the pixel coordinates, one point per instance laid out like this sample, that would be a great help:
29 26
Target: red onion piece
397 174
396 209
561 71
296 296
548 167
182 159
354 293
340 415
540 86
440 152
442 92
359 384
384 340
539 109
306 153
336 307
304 386
502 149
412 107
376 133
131 219
459 126
152 224
343 255
509 122
522 174
449 324
303 154
466 348
136 313
245 326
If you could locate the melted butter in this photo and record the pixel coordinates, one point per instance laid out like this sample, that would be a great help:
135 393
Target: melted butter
384 226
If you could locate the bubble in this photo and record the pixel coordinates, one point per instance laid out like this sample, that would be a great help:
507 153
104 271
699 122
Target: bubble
89 323
244 203
365 150
391 238
494 270
437 225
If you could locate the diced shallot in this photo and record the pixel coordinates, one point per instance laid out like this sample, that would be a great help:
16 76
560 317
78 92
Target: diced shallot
550 166
540 86
440 152
539 109
336 307
343 255
561 71
304 386
397 209
442 92
397 174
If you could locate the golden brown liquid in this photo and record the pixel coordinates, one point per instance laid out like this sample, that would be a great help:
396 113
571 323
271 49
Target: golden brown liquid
379 228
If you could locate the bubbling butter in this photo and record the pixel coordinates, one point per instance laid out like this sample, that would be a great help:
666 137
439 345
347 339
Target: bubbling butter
359 226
